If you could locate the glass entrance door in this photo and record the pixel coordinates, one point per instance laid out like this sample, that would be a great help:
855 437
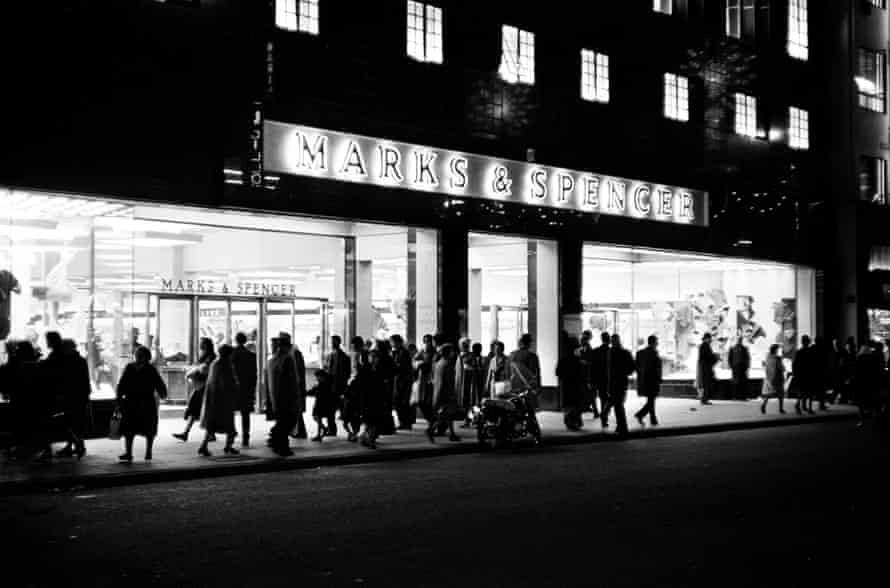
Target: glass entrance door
173 344
213 320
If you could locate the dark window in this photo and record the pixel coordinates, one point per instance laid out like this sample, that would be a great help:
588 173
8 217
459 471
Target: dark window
871 79
873 179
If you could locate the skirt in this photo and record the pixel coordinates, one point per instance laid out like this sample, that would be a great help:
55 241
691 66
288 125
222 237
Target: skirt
195 404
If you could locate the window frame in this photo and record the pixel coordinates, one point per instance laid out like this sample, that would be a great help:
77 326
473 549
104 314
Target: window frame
875 101
798 43
745 115
421 43
675 97
798 128
521 44
595 81
733 7
298 16
877 165
665 7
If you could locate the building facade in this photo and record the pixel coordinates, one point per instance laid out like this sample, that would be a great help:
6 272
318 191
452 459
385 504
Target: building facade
478 170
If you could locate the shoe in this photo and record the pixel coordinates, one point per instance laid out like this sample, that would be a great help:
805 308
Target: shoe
204 452
245 441
453 438
352 438
229 450
653 421
270 443
318 438
66 452
125 458
781 411
706 402
640 420
797 409
330 432
431 435
811 411
860 424
45 456
284 452
182 436
148 456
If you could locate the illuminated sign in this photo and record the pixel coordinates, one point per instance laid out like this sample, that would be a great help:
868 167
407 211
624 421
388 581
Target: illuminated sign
306 151
222 287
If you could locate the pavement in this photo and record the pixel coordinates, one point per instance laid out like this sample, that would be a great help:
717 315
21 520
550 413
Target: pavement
777 506
174 460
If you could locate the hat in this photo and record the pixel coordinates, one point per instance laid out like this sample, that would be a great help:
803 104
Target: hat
284 336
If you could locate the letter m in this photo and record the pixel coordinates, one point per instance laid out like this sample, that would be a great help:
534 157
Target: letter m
313 156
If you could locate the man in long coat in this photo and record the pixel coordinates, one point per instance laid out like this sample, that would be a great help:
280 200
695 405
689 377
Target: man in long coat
621 366
282 396
599 376
648 379
705 380
245 363
585 355
337 366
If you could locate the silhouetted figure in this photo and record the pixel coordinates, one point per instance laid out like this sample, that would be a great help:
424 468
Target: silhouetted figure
423 363
136 396
325 403
338 368
847 368
281 396
599 377
30 404
621 366
648 364
358 379
806 373
739 364
572 386
54 374
245 363
300 362
705 380
445 401
221 399
197 379
403 379
76 391
587 360
481 372
773 379
465 380
376 395
496 380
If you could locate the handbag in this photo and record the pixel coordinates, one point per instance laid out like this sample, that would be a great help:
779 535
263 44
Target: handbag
114 425
501 388
415 393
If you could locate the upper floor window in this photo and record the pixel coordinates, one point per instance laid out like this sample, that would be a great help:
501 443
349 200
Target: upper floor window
424 32
798 29
663 6
734 18
745 115
294 15
871 79
517 55
878 3
594 76
798 128
676 97
873 179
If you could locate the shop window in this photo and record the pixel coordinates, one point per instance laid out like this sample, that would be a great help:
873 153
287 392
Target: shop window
798 29
513 290
517 56
425 32
676 97
878 3
745 115
297 15
873 179
798 128
679 297
594 76
663 6
871 79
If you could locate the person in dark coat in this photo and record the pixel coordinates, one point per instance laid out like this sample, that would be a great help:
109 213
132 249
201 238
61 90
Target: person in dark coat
572 385
445 400
403 379
465 379
54 376
705 380
739 364
221 399
325 402
648 364
376 396
358 379
75 398
822 360
299 360
481 371
30 403
136 392
585 355
524 372
245 363
806 374
423 363
621 366
599 377
197 379
337 366
281 396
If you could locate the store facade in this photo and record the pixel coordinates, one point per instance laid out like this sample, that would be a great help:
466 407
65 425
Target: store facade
335 233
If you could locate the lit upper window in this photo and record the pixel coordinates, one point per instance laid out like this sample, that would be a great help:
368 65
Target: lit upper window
745 115
594 76
733 18
871 79
517 55
424 32
798 29
676 97
878 3
297 15
663 6
798 128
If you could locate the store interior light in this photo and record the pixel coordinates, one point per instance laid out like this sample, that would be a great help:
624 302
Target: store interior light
865 85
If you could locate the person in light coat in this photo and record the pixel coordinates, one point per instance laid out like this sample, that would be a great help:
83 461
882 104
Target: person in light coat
774 379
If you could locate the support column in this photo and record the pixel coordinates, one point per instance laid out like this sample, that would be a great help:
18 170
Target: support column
546 328
474 312
364 312
426 284
570 285
454 282
349 292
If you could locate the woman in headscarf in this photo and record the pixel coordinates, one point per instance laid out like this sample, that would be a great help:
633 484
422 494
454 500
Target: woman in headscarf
220 402
138 404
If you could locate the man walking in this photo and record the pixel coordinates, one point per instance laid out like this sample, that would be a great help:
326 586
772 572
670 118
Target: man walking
739 363
648 379
599 377
336 364
281 395
804 370
245 363
300 362
705 378
621 366
585 355
402 383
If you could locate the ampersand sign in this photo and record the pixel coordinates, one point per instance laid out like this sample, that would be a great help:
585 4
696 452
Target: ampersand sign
502 183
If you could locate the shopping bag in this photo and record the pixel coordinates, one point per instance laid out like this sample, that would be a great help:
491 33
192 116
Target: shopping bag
415 393
114 426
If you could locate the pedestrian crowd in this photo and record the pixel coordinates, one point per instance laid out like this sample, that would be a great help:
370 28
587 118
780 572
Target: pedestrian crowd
375 388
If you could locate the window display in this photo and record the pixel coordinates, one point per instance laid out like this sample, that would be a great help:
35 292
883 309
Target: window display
680 297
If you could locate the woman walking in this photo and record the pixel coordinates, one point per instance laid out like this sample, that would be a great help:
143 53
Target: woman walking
197 378
774 379
220 402
496 381
358 380
138 404
445 398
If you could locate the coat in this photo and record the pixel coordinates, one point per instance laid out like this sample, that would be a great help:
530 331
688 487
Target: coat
774 378
444 392
336 364
197 377
807 371
621 366
524 370
245 363
221 398
466 379
403 376
739 361
136 396
570 372
301 378
704 373
497 372
281 387
649 368
599 373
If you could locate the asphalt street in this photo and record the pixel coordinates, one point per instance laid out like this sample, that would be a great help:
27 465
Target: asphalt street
790 506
